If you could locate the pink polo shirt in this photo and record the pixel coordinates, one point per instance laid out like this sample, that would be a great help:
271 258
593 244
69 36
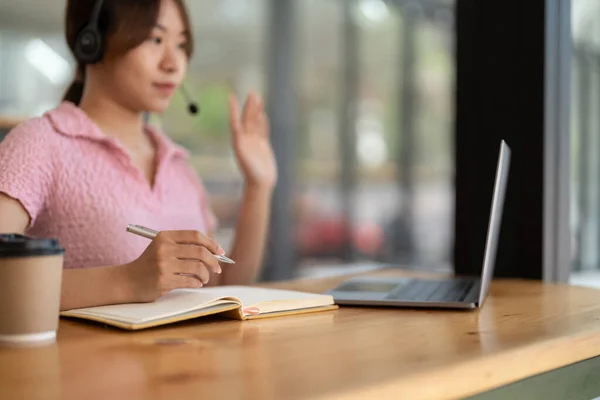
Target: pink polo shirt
80 186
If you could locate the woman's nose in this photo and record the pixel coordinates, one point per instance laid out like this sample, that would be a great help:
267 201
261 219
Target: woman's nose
169 62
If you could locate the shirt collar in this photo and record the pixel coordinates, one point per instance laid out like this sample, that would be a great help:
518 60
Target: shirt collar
72 121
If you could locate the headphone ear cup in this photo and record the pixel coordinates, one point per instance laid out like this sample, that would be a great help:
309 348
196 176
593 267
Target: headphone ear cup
88 46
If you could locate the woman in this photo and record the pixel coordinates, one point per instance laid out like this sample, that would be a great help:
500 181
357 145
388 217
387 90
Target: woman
83 171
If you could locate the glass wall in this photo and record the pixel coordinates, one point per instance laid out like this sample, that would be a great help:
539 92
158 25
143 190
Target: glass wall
390 199
373 185
585 139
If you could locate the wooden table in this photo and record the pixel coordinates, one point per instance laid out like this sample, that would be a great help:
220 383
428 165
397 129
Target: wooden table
524 329
9 122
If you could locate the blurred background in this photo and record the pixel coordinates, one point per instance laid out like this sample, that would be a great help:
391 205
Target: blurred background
360 94
365 142
585 142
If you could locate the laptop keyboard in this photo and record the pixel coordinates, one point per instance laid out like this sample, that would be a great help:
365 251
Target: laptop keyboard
432 291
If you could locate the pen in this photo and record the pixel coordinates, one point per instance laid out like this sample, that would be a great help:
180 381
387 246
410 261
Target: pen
151 234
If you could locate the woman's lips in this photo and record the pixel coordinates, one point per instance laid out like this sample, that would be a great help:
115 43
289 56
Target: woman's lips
165 88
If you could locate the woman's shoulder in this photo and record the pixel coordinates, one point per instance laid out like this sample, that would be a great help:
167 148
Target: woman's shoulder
36 130
54 128
32 134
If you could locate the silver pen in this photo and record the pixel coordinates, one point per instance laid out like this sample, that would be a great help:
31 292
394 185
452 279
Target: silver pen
151 234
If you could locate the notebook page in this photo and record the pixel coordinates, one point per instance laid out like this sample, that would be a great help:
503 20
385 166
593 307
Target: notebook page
176 302
251 296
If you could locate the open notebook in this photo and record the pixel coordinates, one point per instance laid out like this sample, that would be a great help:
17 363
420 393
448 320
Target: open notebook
182 304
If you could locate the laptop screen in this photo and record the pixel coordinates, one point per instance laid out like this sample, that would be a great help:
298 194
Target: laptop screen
495 220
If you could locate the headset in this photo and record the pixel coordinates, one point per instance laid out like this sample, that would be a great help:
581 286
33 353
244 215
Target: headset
89 48
89 43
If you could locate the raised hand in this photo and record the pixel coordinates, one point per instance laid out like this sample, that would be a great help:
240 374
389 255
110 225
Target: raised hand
251 142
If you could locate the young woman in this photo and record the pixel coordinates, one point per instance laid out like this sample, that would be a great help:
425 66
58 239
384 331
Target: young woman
85 170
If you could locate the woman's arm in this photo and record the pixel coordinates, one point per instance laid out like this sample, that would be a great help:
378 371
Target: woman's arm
13 217
250 238
155 272
97 286
80 288
257 161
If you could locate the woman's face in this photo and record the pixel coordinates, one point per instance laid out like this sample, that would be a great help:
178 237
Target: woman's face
146 77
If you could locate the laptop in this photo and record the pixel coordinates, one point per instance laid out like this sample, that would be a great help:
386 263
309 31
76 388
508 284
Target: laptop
454 292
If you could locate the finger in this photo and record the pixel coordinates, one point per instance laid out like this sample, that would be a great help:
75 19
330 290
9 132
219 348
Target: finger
195 269
199 253
265 125
249 109
260 104
202 272
210 261
197 238
246 109
255 121
234 114
187 281
260 115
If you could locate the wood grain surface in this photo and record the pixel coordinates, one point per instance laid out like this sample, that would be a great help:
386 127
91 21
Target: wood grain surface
524 328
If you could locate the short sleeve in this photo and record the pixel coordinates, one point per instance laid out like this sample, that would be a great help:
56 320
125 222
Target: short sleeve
26 165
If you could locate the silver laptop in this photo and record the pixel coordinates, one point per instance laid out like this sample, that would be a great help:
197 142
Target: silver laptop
455 292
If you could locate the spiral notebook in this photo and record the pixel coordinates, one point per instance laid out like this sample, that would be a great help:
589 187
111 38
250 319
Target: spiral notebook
185 304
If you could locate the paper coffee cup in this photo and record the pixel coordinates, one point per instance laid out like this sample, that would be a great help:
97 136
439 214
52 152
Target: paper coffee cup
30 286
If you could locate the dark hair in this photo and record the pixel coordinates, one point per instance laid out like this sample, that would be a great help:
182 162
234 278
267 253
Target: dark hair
125 24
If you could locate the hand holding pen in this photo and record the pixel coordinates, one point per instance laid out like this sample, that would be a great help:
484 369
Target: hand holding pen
174 259
151 234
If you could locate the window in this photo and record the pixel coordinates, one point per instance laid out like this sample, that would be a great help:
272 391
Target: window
585 139
373 184
378 188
